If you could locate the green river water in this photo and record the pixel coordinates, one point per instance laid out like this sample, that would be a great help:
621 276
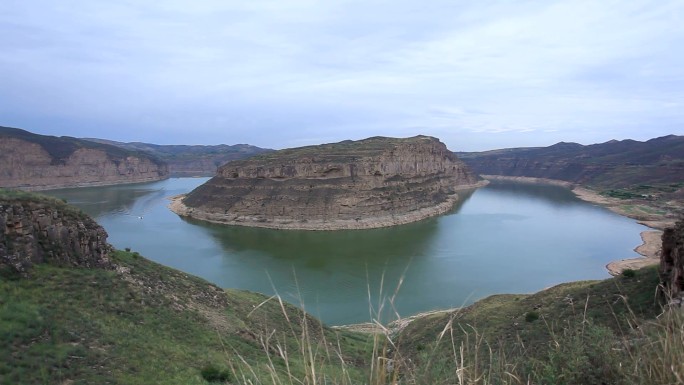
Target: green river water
504 238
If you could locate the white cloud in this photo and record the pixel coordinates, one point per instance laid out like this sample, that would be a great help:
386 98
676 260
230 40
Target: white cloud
275 72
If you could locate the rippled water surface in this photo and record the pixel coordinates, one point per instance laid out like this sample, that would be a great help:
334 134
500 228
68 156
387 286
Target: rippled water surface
503 238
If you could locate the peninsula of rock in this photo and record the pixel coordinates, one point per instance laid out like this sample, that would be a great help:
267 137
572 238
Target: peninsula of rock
370 183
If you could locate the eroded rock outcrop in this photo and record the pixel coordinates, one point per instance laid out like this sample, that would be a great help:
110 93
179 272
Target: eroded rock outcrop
369 183
38 162
45 230
672 263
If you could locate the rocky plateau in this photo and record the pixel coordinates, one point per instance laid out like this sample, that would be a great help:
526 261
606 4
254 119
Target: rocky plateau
375 182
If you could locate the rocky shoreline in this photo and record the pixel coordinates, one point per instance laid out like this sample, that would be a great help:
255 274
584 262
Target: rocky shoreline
178 207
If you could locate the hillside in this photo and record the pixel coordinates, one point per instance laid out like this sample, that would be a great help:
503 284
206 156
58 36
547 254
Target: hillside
369 183
37 162
74 315
191 160
643 180
75 311
614 164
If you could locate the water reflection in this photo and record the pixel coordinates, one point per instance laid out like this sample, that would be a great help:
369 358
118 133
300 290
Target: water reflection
332 272
505 237
555 195
119 200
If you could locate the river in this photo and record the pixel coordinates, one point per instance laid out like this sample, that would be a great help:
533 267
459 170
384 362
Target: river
506 237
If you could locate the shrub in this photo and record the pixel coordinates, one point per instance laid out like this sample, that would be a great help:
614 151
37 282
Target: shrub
628 273
213 374
531 316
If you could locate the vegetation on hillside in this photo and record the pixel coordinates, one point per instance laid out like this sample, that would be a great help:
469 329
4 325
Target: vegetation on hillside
590 332
143 323
603 166
346 149
646 179
148 324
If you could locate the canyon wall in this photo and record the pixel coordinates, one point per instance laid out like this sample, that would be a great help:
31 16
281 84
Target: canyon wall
37 162
369 183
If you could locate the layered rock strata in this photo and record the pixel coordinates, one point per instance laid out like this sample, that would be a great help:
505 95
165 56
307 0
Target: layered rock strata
38 162
370 183
44 230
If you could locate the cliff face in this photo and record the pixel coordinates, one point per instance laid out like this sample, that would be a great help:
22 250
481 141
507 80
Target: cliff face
35 162
369 183
672 262
44 230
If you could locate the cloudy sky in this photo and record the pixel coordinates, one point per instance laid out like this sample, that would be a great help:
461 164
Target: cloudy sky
477 74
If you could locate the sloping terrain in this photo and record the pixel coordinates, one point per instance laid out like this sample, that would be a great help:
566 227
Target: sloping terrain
614 164
79 318
642 180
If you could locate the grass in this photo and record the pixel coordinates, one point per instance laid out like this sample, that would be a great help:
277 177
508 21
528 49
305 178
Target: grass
593 332
143 323
148 324
152 325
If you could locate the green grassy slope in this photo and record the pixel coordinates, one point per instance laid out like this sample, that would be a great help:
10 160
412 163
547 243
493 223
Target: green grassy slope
614 302
588 332
148 324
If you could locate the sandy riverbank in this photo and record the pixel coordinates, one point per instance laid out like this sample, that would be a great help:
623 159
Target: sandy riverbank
650 251
652 243
178 207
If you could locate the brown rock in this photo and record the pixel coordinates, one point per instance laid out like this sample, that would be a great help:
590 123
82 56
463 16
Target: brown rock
672 260
49 232
38 162
369 183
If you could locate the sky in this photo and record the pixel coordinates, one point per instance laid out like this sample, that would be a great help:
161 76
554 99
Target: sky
478 75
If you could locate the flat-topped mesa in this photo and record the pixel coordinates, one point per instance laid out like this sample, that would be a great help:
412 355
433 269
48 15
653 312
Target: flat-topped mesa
369 183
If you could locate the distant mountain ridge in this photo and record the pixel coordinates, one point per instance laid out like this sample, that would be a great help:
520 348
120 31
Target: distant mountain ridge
191 160
35 162
611 164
